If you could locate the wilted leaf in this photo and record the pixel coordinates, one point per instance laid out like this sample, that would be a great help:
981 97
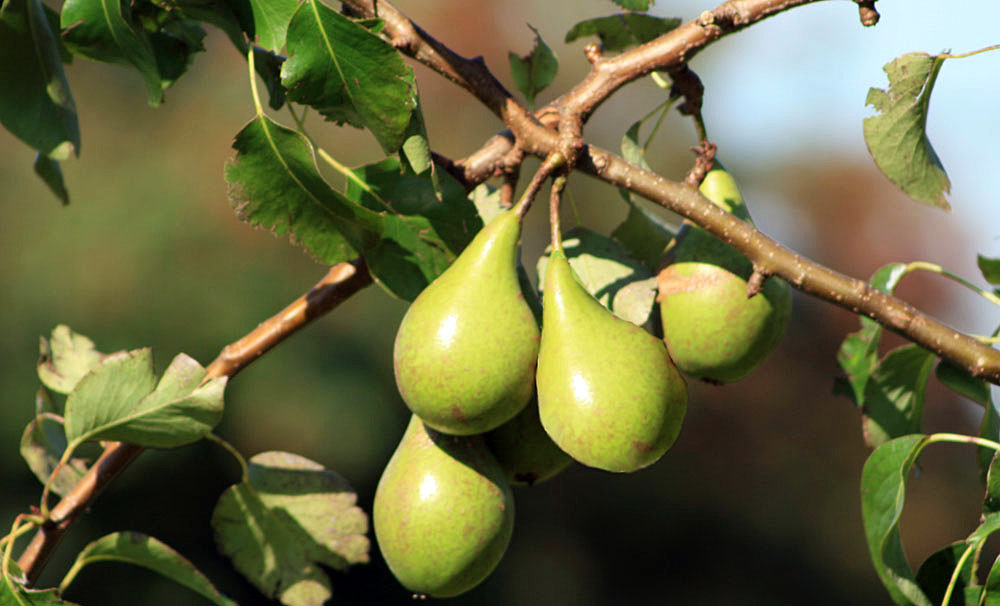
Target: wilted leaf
36 105
103 30
291 516
349 74
894 395
607 272
535 71
42 445
117 401
618 32
65 358
897 136
148 552
883 491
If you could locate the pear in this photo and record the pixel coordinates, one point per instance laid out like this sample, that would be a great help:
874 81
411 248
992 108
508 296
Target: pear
713 330
466 349
525 452
443 512
608 394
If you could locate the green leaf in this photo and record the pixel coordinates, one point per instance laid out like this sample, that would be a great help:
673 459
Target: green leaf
13 593
149 552
174 46
487 201
992 585
443 216
51 174
935 574
643 234
606 271
349 74
535 71
415 152
858 354
991 502
634 5
990 268
989 429
102 30
632 151
897 136
270 21
894 395
618 32
117 401
961 381
274 183
65 358
883 491
42 445
36 104
290 516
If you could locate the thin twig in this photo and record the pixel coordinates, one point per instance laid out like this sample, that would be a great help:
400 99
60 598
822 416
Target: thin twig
342 281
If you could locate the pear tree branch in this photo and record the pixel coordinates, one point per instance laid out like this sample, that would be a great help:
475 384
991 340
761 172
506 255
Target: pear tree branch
671 52
341 282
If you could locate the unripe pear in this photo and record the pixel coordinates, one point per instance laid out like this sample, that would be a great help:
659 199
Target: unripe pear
466 349
608 394
712 329
443 512
525 452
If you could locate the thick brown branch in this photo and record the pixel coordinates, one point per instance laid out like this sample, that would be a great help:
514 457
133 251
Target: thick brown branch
771 258
342 281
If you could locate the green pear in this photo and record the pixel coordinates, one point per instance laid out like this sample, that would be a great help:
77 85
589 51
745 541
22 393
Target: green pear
712 329
466 349
525 452
608 394
443 512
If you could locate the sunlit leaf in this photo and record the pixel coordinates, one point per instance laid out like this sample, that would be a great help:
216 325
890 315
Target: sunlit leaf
894 394
274 184
618 32
15 594
488 202
270 21
103 30
118 401
535 71
606 270
897 135
290 517
36 104
148 552
883 491
349 74
65 358
634 5
42 445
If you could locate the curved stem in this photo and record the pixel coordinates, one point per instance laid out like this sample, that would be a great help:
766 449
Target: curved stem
958 438
245 475
955 574
937 269
551 163
253 84
558 184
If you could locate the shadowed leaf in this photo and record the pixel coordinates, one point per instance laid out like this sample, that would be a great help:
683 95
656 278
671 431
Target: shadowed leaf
894 394
148 552
291 516
897 135
42 445
535 71
990 268
618 32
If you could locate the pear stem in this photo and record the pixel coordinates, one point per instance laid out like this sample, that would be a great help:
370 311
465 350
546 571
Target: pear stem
555 197
551 163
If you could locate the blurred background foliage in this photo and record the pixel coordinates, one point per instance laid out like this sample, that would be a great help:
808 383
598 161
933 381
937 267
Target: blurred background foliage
758 501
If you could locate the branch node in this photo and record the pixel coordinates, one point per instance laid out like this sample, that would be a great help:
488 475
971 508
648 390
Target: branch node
706 19
593 52
868 13
756 282
702 164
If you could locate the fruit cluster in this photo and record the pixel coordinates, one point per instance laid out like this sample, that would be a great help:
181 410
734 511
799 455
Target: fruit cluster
496 401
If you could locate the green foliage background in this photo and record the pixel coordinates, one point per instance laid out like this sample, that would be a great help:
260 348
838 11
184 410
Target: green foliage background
757 503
